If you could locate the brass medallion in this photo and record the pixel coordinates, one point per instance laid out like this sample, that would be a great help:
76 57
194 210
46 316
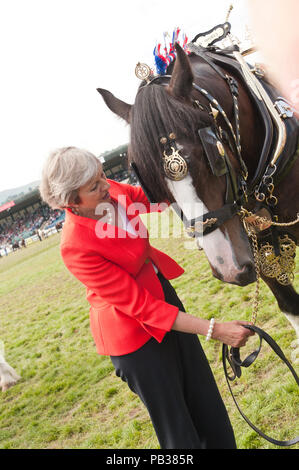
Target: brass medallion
279 267
175 165
142 71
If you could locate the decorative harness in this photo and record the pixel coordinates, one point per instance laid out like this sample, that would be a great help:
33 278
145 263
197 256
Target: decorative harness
278 154
275 258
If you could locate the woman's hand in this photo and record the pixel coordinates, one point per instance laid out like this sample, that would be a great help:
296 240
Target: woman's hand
232 333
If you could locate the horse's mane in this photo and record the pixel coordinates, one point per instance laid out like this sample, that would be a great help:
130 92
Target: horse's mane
156 114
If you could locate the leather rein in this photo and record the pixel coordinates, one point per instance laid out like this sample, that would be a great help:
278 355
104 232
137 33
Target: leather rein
232 356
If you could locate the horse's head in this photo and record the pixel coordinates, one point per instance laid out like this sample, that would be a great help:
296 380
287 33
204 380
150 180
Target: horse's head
168 113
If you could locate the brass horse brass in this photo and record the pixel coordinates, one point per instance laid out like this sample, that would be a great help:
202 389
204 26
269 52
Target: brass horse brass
279 267
175 165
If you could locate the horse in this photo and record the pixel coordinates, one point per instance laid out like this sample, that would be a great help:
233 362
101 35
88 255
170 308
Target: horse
175 113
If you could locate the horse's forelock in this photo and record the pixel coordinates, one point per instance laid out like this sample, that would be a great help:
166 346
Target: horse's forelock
156 114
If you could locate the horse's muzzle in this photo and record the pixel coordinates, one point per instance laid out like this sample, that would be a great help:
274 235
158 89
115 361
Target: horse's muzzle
247 275
242 277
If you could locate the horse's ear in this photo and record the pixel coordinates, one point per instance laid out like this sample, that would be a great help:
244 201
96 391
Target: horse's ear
180 85
117 106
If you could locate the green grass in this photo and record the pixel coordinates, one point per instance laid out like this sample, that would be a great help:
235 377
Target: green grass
69 396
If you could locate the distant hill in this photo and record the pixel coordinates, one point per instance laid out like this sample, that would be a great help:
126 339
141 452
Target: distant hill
11 194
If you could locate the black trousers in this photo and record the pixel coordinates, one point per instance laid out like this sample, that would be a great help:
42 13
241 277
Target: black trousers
175 382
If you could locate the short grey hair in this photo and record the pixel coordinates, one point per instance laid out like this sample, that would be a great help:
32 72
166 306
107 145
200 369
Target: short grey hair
64 172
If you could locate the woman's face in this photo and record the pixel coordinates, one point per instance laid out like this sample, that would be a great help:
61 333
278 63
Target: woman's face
93 193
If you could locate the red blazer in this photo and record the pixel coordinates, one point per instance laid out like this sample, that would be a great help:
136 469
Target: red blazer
126 297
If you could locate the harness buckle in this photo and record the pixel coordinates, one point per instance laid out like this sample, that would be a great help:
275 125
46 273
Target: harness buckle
200 226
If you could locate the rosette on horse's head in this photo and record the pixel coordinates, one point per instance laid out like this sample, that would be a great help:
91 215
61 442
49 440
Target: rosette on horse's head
165 56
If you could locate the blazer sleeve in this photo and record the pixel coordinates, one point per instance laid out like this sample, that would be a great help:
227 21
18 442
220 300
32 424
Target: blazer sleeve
137 195
117 287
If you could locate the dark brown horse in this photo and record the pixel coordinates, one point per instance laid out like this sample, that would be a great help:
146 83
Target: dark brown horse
173 106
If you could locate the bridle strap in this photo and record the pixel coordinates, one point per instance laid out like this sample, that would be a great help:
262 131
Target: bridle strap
233 86
236 185
196 227
235 136
232 356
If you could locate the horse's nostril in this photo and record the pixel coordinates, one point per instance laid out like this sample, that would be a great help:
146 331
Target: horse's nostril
247 275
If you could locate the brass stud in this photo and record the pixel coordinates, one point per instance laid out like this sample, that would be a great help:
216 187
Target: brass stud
172 136
220 148
163 140
215 112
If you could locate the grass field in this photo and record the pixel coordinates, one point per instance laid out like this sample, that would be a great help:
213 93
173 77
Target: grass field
69 396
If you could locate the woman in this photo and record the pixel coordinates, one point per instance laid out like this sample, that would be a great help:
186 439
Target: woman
136 317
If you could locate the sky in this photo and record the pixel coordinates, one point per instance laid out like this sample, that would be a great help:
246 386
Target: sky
55 53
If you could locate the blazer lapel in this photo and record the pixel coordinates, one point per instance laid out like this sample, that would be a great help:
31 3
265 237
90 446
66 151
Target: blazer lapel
124 200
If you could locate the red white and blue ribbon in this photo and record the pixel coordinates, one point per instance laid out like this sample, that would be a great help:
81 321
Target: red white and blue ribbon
164 58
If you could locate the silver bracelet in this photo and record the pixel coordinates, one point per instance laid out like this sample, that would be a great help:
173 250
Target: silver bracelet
210 330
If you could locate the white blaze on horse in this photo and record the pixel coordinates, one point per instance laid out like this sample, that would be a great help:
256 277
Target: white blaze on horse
212 133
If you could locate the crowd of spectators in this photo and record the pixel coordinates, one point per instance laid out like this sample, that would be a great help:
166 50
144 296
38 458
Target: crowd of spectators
27 225
120 176
15 230
124 177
